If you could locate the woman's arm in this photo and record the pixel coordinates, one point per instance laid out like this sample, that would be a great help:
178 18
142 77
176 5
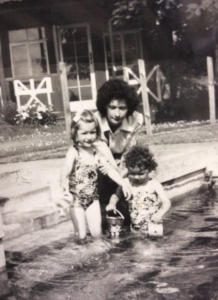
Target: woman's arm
104 151
67 168
116 177
166 203
114 199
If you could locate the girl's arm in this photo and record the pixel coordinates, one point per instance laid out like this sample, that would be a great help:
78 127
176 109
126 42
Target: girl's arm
166 203
67 168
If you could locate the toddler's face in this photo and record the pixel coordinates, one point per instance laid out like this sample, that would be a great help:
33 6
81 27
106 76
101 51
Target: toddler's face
137 175
86 134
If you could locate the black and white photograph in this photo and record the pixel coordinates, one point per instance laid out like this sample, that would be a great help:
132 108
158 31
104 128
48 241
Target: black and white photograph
108 150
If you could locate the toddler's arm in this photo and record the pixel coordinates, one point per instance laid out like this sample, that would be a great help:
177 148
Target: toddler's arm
67 168
166 203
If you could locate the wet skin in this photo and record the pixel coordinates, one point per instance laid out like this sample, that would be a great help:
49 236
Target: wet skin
116 113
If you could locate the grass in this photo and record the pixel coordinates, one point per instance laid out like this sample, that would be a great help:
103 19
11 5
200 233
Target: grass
24 143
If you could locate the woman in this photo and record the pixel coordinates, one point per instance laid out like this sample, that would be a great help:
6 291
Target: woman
120 124
117 115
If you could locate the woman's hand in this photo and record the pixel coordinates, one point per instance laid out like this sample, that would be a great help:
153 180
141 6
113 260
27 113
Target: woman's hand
126 191
104 168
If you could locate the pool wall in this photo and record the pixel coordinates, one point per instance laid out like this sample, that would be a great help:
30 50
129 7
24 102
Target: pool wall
184 172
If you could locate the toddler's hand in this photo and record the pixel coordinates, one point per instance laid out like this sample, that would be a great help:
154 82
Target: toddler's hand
111 207
157 218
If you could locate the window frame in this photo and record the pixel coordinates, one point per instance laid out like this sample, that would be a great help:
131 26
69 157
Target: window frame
27 43
122 34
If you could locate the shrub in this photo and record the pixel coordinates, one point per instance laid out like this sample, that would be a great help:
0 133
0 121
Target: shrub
35 114
9 111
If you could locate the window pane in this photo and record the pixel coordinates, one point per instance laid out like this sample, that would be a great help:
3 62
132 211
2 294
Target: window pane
72 80
131 56
71 65
131 41
37 50
39 66
80 34
86 93
36 33
84 71
117 43
19 53
67 35
38 61
82 49
118 58
68 50
21 68
17 35
74 94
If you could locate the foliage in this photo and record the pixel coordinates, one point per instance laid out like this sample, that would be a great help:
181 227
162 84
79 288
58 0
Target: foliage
35 114
189 101
9 111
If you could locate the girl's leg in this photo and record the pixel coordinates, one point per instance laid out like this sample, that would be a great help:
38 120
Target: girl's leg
77 215
93 216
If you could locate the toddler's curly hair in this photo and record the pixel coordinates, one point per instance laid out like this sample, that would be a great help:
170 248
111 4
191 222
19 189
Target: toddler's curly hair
141 157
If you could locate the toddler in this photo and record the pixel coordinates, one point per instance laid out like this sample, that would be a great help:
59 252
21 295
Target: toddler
149 202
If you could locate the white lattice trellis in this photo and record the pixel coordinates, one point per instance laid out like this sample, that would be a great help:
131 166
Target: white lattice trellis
44 87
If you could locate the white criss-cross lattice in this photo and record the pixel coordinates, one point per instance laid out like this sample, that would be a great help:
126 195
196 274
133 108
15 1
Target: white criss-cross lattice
44 87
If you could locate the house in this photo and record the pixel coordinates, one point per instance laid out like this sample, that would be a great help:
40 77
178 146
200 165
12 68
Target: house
36 35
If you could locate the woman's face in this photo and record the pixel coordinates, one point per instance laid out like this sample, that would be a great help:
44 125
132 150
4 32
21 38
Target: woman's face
116 112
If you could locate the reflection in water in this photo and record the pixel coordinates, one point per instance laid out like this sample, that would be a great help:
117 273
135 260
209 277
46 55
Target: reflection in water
181 265
5 291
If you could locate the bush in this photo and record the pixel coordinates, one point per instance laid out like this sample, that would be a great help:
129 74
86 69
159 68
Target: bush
9 111
35 114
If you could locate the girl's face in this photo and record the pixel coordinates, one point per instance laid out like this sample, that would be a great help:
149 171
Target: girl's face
86 134
137 175
116 112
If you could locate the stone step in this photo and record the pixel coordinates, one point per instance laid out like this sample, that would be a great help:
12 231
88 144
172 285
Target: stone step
16 224
25 197
8 178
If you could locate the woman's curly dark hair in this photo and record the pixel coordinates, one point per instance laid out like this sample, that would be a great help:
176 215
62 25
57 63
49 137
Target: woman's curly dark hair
141 157
119 90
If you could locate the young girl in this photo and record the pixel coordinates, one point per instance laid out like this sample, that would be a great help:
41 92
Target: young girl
149 201
80 172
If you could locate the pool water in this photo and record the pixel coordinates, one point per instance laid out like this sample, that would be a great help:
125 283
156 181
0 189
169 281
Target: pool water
181 265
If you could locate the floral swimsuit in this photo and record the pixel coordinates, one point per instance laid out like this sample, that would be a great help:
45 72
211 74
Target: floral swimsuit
83 183
142 205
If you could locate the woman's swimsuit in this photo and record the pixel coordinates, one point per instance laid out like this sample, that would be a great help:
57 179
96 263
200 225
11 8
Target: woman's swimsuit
142 205
83 183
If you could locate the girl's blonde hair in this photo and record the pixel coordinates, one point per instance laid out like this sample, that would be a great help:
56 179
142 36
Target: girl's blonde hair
86 116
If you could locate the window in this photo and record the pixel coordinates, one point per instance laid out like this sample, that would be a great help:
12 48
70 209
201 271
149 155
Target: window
127 50
28 51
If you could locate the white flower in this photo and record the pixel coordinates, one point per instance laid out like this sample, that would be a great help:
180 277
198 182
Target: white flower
39 116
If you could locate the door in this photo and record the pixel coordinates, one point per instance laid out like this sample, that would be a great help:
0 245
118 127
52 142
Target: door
76 51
